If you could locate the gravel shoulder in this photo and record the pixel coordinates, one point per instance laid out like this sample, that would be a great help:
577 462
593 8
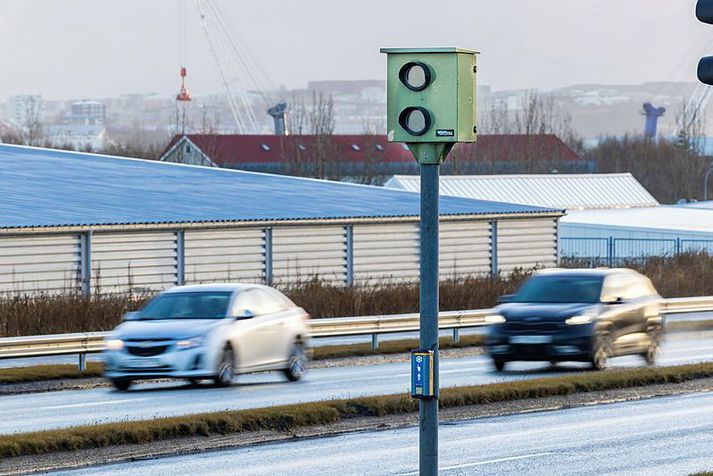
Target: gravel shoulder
83 458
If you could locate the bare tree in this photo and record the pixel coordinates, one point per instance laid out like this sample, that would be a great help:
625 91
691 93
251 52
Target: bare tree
373 127
691 126
494 117
181 118
537 114
32 130
321 115
209 119
297 117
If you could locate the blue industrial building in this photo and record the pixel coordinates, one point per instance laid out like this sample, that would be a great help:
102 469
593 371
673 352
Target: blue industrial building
99 223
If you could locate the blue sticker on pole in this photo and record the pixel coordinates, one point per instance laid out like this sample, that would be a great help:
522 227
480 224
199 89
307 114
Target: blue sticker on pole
422 374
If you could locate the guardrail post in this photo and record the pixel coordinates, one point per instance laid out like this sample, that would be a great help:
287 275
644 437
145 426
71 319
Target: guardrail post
678 246
374 341
494 249
268 256
558 249
180 258
82 362
456 334
85 259
349 237
610 252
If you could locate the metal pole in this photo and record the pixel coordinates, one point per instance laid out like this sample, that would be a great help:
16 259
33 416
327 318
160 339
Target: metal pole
349 237
428 409
180 257
86 263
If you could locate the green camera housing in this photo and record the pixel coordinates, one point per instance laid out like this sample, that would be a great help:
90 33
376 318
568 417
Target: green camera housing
431 95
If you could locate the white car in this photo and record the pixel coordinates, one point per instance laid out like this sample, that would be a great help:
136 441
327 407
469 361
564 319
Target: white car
209 331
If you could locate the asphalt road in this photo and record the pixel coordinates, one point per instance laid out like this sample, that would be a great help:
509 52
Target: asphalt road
40 411
668 435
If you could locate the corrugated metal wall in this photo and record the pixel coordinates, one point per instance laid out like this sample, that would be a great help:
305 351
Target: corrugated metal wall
526 244
141 261
39 263
302 252
224 255
386 252
465 248
149 261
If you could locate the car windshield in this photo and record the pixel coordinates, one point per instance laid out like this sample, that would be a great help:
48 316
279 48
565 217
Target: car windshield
200 305
560 289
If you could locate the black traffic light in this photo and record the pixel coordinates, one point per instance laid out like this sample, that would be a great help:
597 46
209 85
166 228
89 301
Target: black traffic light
704 12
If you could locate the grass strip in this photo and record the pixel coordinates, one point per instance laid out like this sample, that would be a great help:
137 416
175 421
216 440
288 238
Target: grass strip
391 347
37 373
288 417
41 373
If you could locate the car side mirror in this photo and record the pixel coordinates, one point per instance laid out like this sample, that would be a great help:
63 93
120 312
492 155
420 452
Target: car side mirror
131 316
244 314
505 298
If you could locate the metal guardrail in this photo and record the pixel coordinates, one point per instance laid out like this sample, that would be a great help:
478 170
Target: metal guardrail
93 342
688 304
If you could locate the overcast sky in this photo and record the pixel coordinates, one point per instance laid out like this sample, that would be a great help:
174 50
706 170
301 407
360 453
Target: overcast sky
92 48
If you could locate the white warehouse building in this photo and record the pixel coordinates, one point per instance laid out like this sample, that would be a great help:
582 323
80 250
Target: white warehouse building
73 222
610 217
562 191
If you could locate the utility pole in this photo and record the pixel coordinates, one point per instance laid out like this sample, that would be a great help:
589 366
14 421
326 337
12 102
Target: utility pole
430 107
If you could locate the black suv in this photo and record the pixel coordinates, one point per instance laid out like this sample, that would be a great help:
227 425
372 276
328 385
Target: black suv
577 315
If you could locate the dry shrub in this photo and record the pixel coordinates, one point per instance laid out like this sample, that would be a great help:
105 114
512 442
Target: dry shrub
688 274
322 299
22 315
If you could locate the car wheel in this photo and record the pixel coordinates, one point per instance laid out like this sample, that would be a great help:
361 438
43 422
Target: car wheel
226 369
499 364
121 384
600 353
652 350
297 364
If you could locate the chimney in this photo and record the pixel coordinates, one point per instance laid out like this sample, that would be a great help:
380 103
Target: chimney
279 115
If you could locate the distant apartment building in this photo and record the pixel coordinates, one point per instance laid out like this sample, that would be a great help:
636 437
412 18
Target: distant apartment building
81 128
22 109
86 113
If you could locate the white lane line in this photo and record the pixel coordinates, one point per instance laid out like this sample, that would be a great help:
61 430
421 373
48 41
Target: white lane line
490 461
92 404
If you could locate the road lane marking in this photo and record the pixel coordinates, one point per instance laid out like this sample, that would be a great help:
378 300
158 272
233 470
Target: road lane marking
92 404
490 461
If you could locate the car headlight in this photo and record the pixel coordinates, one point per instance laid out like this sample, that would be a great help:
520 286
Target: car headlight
114 344
579 320
494 319
190 343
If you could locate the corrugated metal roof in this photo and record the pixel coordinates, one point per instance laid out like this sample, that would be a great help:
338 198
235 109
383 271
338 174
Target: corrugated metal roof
572 192
45 187
662 218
